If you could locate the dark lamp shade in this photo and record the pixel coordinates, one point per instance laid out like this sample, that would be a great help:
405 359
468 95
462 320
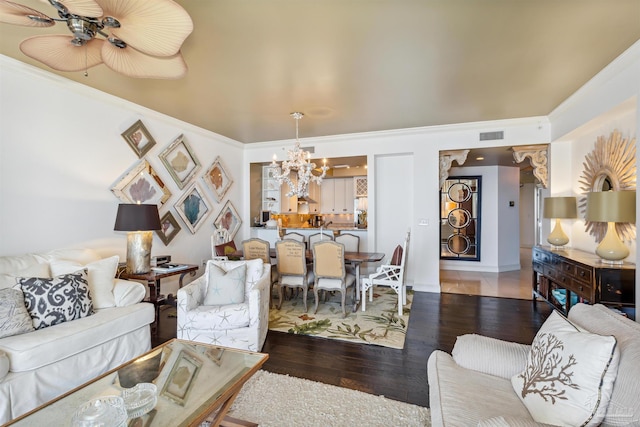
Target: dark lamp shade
560 207
134 217
611 206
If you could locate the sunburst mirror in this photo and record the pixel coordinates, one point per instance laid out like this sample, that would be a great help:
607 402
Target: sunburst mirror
610 166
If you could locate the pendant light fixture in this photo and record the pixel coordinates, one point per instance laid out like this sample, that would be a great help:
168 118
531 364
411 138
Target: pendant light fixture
300 161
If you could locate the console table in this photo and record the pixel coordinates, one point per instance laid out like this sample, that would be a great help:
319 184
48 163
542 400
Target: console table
583 277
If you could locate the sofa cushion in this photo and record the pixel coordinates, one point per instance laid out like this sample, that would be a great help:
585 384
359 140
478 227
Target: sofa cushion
101 277
624 407
225 286
51 301
45 346
9 278
565 381
14 317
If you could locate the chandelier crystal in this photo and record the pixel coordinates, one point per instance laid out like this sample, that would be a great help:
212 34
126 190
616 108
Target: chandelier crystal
300 161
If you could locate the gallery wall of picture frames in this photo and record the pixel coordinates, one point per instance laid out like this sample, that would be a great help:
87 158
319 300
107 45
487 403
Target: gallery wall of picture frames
142 184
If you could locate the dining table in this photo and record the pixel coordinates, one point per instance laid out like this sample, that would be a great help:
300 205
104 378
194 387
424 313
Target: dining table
356 259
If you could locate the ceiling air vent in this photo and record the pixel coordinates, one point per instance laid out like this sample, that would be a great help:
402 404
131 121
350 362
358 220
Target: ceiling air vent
491 136
309 149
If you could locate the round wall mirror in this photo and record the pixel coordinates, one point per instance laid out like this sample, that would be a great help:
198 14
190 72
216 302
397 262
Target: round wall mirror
459 192
459 218
458 244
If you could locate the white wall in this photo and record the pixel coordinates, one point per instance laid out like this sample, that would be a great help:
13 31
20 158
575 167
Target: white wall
61 152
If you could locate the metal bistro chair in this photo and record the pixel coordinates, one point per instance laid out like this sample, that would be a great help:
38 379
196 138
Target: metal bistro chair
255 248
292 268
329 271
391 274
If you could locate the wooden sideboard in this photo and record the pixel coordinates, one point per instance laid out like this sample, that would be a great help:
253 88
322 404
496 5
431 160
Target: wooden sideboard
582 277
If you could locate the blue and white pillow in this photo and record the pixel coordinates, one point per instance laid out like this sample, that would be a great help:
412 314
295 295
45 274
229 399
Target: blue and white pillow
51 301
225 286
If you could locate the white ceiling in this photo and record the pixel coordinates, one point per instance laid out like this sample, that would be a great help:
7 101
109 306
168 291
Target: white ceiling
370 65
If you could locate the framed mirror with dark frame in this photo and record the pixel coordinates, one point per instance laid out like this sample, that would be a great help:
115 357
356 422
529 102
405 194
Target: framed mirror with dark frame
460 218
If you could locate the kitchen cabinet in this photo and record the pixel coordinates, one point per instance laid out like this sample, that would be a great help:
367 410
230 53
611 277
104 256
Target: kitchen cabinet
315 194
360 186
337 196
288 204
270 189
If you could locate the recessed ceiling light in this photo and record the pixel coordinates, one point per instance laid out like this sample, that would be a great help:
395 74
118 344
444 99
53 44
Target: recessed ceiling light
479 158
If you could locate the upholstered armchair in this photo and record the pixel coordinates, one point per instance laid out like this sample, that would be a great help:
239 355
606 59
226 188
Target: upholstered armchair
242 322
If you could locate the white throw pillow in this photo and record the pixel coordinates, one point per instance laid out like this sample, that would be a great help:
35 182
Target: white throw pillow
101 278
254 270
225 286
569 375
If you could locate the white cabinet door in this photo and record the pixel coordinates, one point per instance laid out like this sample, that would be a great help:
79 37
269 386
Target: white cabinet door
327 189
288 204
270 189
314 194
348 196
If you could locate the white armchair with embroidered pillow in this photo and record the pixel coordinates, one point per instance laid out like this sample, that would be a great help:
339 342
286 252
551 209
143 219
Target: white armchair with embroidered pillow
227 306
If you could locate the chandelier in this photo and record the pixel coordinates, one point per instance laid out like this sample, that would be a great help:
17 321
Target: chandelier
300 161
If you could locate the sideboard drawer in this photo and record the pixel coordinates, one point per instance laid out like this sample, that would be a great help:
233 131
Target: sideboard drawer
583 273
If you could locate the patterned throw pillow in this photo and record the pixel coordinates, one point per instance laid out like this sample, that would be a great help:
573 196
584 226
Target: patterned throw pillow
14 318
57 300
225 287
569 375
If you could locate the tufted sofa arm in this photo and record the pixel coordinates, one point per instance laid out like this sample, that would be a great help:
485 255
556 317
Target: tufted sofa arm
490 356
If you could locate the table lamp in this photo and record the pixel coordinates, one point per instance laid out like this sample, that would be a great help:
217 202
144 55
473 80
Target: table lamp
140 221
611 207
558 208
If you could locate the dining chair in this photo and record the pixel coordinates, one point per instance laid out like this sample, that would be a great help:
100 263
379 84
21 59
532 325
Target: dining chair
351 243
330 273
313 238
391 275
294 236
292 268
255 248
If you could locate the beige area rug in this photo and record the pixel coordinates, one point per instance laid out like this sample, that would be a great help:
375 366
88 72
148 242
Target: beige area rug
379 325
280 400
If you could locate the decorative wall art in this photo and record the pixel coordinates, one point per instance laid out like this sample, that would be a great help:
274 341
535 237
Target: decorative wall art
228 219
610 166
181 378
139 139
141 184
193 208
180 161
170 228
218 179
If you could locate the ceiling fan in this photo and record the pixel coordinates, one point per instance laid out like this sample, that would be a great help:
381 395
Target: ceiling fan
142 38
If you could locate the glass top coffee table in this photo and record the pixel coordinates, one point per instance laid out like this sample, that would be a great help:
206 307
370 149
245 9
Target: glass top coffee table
195 382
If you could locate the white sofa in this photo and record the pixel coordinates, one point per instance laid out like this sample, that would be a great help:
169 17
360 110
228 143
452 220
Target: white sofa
472 387
45 363
242 325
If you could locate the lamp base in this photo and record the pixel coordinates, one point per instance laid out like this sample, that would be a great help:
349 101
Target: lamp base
139 252
611 249
558 237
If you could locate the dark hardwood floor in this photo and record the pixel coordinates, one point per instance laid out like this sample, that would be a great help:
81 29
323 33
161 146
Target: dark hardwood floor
435 322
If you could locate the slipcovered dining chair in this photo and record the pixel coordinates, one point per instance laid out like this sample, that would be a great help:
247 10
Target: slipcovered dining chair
313 238
255 248
294 236
330 273
351 242
391 275
292 268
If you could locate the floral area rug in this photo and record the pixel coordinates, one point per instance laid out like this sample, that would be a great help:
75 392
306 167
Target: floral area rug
379 325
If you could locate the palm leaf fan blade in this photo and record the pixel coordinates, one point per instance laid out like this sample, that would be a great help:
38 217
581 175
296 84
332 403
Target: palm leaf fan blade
157 28
81 7
57 52
133 63
17 14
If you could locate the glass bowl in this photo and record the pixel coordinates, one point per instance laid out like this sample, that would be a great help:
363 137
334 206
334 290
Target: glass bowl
140 399
105 411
